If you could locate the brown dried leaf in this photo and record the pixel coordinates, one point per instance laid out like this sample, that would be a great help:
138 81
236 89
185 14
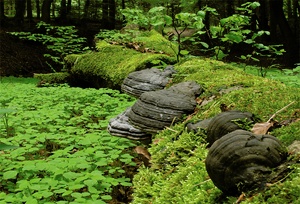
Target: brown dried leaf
156 141
143 151
262 128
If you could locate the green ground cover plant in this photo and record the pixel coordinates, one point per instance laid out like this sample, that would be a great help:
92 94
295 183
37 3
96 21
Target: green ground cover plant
178 174
64 153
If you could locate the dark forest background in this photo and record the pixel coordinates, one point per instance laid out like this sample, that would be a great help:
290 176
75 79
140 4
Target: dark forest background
280 17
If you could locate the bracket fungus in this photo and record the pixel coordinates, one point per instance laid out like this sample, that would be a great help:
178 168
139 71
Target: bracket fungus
146 80
120 126
227 122
155 110
241 161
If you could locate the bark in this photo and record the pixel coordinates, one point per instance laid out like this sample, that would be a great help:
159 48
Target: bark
29 10
112 15
86 9
20 10
69 6
288 37
38 10
263 15
63 10
46 10
2 16
229 7
105 14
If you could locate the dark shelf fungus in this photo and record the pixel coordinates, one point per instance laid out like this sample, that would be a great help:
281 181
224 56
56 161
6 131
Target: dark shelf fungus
120 126
227 122
155 110
147 80
241 161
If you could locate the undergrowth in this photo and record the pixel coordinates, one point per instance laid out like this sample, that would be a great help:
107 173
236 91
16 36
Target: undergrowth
64 154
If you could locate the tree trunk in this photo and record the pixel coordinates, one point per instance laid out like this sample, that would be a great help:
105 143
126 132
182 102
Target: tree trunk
263 15
86 9
29 10
69 6
229 8
38 11
20 10
112 15
46 10
2 15
105 14
289 40
63 10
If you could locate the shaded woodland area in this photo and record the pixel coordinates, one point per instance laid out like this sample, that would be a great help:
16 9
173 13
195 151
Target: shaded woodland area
280 17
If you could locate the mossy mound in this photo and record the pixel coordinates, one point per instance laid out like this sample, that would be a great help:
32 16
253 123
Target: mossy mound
111 64
156 42
178 174
52 78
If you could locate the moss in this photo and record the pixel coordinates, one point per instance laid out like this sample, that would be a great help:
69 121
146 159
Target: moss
52 78
113 63
155 41
178 174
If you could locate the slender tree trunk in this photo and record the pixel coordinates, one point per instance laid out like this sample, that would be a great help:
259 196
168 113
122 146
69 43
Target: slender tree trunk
38 10
2 15
69 6
289 40
53 7
63 10
112 14
86 9
20 10
29 10
229 8
46 10
263 15
105 14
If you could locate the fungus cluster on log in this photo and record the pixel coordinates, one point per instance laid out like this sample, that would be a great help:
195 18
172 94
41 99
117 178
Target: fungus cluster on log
156 107
156 110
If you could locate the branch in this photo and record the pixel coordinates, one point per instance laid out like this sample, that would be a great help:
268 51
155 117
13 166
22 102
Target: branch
273 116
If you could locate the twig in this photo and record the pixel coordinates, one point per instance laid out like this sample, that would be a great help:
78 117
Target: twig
202 182
272 184
273 116
241 197
171 129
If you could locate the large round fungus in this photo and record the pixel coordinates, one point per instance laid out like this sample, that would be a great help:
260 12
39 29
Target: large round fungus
241 161
227 122
146 80
120 126
157 109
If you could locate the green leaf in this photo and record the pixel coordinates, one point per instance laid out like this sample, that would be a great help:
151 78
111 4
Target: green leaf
7 110
76 186
10 175
70 175
5 146
204 44
106 197
184 52
235 37
243 57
